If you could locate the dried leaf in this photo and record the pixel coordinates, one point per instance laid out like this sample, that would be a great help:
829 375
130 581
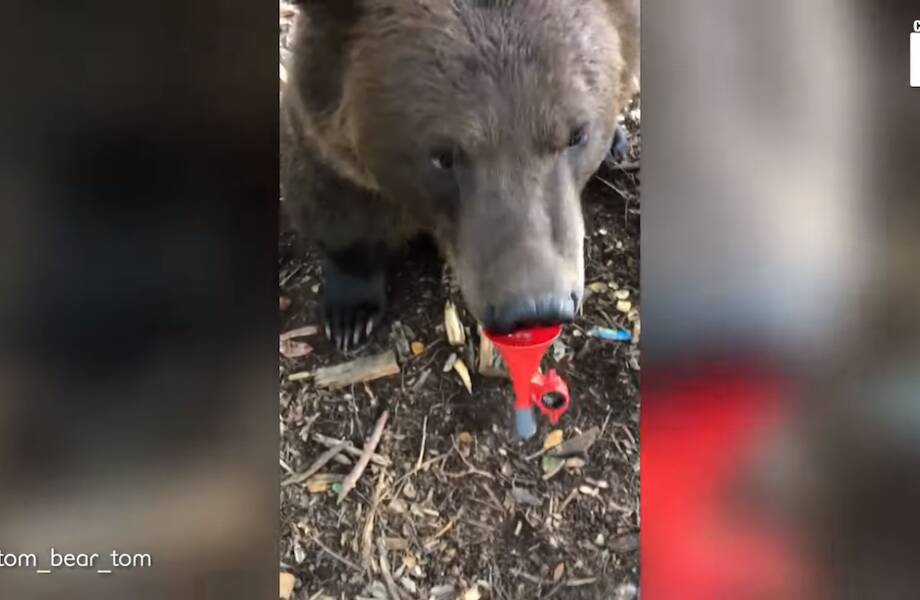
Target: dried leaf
621 294
456 336
463 372
393 543
551 466
587 490
577 445
287 581
490 359
574 463
522 496
300 554
624 306
464 437
598 483
294 349
558 572
471 594
409 491
417 348
559 350
553 439
598 287
317 486
290 348
407 583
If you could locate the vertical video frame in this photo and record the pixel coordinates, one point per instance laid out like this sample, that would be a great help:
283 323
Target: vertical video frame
459 296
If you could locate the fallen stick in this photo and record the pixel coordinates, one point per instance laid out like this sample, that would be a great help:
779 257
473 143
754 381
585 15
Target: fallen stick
619 192
336 555
316 466
421 450
357 371
444 529
387 573
299 332
352 479
330 442
368 538
531 578
415 470
472 469
580 582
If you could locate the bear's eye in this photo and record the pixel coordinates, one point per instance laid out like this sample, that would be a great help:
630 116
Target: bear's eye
578 137
443 158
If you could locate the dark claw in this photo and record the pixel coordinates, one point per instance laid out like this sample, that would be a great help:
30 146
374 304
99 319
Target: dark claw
356 335
351 306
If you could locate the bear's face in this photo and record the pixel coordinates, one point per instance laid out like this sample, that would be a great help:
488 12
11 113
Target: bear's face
486 120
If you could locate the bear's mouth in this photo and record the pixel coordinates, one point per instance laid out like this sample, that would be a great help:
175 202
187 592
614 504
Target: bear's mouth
527 312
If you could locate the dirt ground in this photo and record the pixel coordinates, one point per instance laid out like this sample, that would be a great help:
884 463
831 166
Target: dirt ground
458 508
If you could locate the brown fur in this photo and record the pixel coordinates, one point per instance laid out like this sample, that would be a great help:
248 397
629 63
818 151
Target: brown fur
375 85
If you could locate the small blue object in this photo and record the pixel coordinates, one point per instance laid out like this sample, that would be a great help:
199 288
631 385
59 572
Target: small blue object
613 335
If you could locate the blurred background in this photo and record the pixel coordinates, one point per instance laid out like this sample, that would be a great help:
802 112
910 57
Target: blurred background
781 388
138 225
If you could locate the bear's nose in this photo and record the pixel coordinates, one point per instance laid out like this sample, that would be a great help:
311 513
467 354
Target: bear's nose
531 311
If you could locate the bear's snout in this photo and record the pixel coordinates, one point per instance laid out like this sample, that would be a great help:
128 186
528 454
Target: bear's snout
531 311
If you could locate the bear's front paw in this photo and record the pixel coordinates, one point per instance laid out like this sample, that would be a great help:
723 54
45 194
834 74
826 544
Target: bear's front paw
619 148
352 306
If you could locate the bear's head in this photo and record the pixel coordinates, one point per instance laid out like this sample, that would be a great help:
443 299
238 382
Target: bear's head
485 119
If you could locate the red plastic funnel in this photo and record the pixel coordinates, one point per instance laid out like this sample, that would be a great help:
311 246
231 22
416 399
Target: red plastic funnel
522 351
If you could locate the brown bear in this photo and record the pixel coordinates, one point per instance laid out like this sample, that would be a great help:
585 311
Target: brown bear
476 121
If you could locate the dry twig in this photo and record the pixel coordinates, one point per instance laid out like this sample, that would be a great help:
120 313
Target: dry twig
336 555
415 470
421 450
368 538
357 371
531 578
472 469
329 442
299 332
316 466
387 573
349 482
